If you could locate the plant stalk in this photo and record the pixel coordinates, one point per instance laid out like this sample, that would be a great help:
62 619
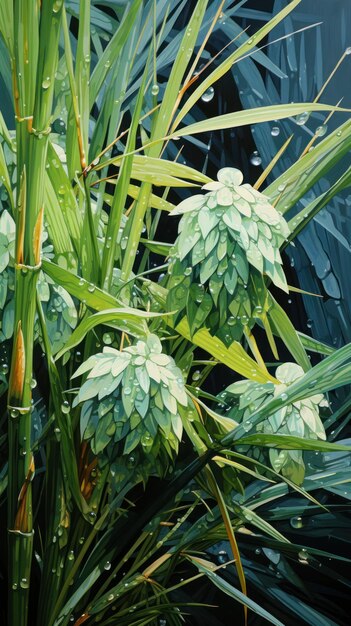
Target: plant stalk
33 80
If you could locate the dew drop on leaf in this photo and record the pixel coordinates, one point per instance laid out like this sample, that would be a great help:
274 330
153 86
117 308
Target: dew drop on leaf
302 118
296 522
208 95
65 407
321 130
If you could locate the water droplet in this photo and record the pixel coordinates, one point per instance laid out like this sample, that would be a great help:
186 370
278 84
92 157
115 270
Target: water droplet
283 397
4 368
303 556
71 556
321 130
155 89
110 597
107 339
196 375
255 159
14 413
222 557
65 407
348 51
33 383
187 271
107 565
296 522
24 584
146 440
127 391
131 461
91 288
302 118
46 82
208 95
275 131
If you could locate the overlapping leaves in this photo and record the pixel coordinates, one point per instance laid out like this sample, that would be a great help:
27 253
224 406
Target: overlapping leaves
133 402
61 313
298 419
228 240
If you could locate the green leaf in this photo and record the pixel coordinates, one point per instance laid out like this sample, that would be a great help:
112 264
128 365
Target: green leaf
158 171
228 589
253 116
286 331
225 66
287 442
126 319
303 174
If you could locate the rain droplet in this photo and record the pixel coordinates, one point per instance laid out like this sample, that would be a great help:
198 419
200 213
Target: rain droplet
208 95
107 565
348 51
321 130
275 131
46 82
302 118
255 159
303 556
65 407
155 89
107 339
296 522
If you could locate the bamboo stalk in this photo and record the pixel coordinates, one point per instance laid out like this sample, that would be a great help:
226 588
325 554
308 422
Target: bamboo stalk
33 72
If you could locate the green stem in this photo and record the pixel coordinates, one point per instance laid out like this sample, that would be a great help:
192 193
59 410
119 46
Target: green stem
33 86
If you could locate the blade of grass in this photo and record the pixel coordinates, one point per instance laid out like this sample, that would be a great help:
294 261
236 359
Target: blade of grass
253 116
225 66
230 533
